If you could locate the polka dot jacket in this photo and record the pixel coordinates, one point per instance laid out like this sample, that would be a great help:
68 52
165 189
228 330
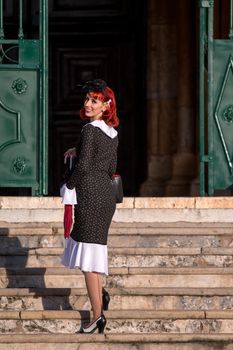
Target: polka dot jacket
96 162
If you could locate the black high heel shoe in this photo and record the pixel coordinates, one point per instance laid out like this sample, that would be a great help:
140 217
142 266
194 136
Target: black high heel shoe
99 324
105 299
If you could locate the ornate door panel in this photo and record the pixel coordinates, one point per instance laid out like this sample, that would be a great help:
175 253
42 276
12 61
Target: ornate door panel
18 128
223 114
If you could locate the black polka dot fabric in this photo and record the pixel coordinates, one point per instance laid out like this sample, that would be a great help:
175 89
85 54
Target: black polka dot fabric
96 162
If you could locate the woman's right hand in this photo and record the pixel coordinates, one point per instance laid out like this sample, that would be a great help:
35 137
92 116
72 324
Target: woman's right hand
71 152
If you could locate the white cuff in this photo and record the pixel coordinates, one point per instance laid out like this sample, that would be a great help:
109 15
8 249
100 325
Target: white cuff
68 196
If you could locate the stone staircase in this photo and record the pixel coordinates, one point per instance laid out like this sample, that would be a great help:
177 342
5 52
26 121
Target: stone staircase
171 283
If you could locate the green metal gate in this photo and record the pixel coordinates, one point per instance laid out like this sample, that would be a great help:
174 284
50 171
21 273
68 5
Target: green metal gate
216 104
23 106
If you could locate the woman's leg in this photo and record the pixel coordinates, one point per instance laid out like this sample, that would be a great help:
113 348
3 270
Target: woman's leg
100 284
94 288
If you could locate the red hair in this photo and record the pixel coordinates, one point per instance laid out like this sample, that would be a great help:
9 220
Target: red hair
110 114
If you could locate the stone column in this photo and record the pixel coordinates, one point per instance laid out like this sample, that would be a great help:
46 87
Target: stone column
161 93
184 161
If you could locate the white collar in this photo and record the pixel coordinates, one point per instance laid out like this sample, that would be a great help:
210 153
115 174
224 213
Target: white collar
108 130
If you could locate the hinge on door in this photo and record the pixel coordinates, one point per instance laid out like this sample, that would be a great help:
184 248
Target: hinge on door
206 158
206 3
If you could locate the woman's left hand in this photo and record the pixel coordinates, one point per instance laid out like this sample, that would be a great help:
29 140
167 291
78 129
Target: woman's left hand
71 152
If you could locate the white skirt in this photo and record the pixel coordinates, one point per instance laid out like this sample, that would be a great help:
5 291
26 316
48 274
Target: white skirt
88 257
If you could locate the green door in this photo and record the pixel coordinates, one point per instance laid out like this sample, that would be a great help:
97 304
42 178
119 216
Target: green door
216 104
23 108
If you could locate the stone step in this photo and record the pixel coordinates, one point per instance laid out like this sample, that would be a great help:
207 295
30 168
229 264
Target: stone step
170 229
108 341
124 321
63 271
122 235
125 257
121 241
123 228
119 277
113 315
121 299
133 209
157 291
117 251
124 251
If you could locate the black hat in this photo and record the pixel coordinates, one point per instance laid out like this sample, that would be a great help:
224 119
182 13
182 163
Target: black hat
96 85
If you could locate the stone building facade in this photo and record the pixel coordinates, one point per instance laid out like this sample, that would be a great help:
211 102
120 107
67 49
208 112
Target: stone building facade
149 54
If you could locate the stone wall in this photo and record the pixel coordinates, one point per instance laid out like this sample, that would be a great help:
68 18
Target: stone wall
171 98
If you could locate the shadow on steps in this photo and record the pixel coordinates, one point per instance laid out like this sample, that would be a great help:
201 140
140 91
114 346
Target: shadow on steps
13 258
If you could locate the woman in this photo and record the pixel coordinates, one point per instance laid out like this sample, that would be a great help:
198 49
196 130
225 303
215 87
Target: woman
96 204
